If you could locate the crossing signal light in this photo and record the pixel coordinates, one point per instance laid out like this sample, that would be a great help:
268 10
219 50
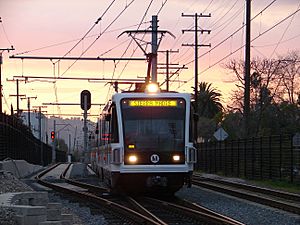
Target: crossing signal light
52 135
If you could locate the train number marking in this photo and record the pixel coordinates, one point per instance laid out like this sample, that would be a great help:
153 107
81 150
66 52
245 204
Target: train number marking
154 158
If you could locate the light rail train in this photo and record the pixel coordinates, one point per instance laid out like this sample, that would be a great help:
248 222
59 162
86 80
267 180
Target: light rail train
146 141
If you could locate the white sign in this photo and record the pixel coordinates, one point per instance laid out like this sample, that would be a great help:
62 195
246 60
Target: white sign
154 158
220 134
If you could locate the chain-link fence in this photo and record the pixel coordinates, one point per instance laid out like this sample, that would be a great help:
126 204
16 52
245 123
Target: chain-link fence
273 158
17 142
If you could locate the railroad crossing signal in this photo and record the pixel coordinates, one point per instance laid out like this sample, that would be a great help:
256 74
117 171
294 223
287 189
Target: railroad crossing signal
52 135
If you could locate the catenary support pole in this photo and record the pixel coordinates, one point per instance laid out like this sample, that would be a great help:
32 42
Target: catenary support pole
247 69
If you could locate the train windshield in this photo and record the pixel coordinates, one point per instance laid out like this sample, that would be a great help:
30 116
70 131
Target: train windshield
154 124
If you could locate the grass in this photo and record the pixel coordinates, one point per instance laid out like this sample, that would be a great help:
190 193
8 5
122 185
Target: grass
273 184
281 185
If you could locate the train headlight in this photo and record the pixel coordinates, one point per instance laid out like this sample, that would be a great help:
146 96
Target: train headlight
176 157
132 158
152 88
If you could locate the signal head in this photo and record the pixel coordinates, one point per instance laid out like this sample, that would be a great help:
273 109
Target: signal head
52 135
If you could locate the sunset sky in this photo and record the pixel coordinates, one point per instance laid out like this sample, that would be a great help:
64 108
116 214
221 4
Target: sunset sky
53 28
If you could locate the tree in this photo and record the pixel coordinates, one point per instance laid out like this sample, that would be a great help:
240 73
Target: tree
266 77
232 123
208 101
291 78
209 110
274 88
61 145
206 128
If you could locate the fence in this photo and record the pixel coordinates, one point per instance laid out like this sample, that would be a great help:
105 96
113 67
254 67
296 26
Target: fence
17 142
272 158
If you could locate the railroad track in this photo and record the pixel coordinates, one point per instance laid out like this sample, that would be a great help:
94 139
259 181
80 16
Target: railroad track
140 210
177 211
278 199
125 215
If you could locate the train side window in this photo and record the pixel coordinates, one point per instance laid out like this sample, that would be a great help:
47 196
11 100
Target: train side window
114 131
105 131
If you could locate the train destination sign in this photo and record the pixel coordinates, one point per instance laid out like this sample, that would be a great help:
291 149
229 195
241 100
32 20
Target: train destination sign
152 103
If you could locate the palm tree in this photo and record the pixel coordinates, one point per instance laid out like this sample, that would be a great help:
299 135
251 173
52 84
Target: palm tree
208 101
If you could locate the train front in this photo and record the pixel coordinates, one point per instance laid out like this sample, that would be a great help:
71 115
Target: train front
157 152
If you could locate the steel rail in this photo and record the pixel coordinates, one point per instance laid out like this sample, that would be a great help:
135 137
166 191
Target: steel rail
135 217
144 211
207 215
90 187
208 211
280 204
277 193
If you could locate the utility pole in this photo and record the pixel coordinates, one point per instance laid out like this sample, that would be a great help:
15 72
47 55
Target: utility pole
69 149
85 128
196 45
1 62
74 143
154 49
17 95
40 130
247 69
167 65
151 57
28 109
54 143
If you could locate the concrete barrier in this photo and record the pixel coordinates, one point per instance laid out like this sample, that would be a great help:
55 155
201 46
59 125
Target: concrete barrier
33 208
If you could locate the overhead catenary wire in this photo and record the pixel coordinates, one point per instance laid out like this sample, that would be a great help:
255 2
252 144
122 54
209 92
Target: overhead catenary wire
143 17
4 31
125 51
92 27
225 14
73 40
258 36
226 39
273 44
235 32
162 6
237 44
114 20
229 20
225 24
113 48
283 34
100 18
208 6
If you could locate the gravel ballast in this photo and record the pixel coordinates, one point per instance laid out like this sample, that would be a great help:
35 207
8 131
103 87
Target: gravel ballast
242 210
9 183
81 215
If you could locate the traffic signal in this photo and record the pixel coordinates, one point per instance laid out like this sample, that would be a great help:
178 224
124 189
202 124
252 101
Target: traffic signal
52 135
87 94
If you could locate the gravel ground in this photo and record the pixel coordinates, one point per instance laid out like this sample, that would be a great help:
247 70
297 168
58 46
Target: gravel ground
9 183
244 211
81 215
241 210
